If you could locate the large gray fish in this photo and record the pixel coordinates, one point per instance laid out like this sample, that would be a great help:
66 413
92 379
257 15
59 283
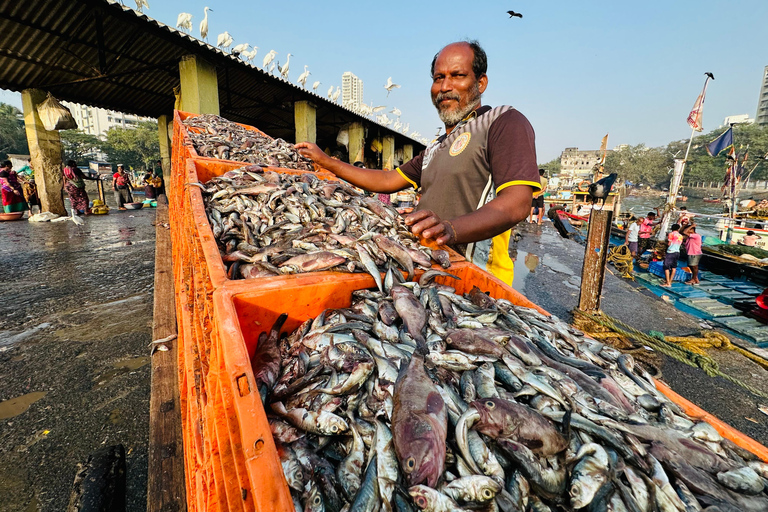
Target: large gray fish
396 251
419 424
411 311
266 359
589 474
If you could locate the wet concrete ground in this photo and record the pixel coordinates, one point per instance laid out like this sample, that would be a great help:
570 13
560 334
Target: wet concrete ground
548 272
75 325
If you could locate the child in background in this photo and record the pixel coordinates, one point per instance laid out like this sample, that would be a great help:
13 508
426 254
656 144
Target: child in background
631 239
675 240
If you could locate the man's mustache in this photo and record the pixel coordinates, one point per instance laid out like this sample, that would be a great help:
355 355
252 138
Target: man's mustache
447 96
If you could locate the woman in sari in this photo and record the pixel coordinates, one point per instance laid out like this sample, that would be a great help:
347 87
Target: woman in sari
12 193
74 184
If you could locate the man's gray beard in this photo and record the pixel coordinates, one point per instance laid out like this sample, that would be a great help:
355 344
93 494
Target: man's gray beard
453 118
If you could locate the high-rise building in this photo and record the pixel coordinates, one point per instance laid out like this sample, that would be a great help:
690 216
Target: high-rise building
737 119
351 90
762 103
97 121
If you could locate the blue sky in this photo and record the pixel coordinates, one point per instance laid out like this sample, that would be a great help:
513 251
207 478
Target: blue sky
577 70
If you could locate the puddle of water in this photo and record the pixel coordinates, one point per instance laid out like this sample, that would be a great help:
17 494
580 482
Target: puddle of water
15 406
549 261
521 270
121 367
531 262
6 338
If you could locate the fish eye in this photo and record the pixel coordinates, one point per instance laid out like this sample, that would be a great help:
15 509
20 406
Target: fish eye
299 475
421 501
316 500
334 428
487 494
490 404
410 463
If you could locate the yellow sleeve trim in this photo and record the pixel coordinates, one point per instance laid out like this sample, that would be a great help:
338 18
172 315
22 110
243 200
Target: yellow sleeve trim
409 180
535 184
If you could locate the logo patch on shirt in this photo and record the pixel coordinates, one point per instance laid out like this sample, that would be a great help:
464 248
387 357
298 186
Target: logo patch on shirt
459 144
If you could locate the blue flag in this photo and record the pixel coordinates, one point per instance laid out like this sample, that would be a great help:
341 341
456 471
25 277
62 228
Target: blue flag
721 143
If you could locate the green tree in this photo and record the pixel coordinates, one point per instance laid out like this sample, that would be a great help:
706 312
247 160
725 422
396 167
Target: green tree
552 167
13 138
133 147
641 165
79 146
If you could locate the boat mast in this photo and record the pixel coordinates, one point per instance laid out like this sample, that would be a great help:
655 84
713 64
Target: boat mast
677 177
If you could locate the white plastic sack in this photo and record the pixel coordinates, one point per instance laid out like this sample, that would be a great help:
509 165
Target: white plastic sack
342 139
55 116
43 217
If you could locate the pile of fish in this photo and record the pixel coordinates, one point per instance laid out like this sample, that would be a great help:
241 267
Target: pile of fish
269 223
215 137
422 398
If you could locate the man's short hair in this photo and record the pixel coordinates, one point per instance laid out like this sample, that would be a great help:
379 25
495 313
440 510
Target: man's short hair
651 214
479 61
750 233
542 171
6 163
675 227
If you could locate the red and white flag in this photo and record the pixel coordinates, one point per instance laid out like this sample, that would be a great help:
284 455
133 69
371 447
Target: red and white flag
694 118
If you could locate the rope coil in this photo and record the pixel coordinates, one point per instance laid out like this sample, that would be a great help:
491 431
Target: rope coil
622 261
689 350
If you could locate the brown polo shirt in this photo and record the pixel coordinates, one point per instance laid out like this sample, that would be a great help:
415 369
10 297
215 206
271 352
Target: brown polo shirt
492 149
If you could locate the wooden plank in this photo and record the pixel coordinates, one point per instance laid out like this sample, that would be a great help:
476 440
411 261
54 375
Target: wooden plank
165 483
593 271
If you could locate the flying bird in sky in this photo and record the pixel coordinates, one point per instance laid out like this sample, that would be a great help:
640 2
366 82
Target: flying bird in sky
513 14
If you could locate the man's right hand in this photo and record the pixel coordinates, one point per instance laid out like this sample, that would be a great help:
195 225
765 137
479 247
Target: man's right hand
311 151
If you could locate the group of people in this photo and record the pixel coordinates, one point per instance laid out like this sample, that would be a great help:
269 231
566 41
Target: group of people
682 235
19 192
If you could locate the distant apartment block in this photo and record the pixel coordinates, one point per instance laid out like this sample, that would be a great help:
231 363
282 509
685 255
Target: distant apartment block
761 117
97 121
351 90
738 119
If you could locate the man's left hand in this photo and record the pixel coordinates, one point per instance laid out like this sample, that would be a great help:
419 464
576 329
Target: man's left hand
427 224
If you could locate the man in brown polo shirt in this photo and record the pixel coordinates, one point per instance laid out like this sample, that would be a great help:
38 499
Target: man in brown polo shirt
476 180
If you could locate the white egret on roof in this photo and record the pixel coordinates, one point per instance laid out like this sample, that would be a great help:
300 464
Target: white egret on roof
271 68
336 94
396 111
268 58
224 41
397 126
406 128
389 85
378 109
330 92
204 25
240 48
316 85
414 135
284 69
251 54
140 4
184 22
303 77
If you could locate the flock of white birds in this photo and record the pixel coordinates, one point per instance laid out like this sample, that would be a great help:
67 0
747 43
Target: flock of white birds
248 52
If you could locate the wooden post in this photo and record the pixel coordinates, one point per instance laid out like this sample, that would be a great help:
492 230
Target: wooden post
199 86
45 152
593 271
356 143
388 152
305 116
407 152
165 482
163 123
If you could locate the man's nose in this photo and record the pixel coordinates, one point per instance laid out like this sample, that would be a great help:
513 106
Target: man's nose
446 84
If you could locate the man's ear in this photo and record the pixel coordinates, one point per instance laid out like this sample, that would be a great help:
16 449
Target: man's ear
483 83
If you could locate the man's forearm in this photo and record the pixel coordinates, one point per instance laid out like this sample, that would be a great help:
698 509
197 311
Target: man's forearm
372 180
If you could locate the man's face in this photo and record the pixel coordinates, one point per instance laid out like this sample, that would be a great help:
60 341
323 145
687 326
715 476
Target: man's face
455 88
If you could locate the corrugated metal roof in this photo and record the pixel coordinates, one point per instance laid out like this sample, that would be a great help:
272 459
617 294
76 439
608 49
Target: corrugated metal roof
101 53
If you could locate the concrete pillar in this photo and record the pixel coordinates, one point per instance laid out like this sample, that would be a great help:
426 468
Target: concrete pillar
199 86
388 152
45 151
165 147
356 143
305 117
407 152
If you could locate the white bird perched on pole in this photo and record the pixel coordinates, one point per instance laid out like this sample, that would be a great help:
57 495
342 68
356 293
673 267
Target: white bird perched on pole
250 55
140 4
396 111
330 92
336 94
284 69
303 77
224 41
240 48
184 22
315 86
204 25
389 85
268 58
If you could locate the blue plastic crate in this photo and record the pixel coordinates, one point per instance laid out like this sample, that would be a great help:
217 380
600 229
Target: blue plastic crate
657 268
